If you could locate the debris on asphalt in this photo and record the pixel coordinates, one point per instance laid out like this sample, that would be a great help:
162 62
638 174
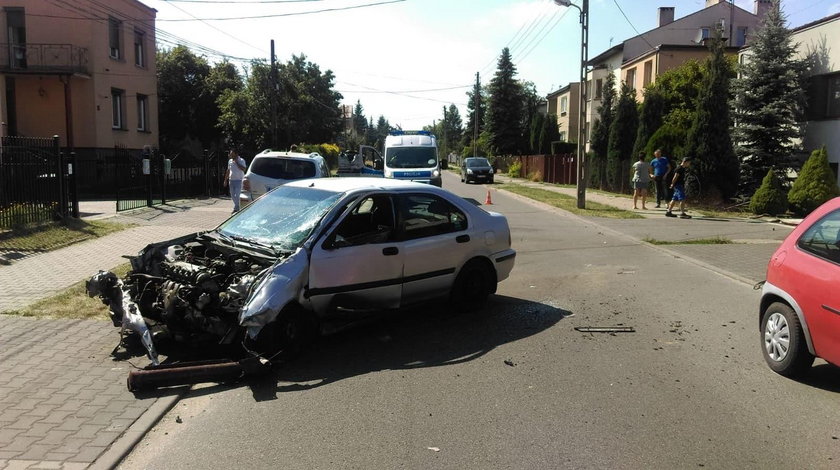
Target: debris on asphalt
190 373
605 329
178 420
435 449
510 363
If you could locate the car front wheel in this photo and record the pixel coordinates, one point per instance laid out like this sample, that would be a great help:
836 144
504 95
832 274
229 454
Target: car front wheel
472 286
783 342
286 336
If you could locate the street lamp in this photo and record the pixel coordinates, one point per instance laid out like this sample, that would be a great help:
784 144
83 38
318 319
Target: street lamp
584 57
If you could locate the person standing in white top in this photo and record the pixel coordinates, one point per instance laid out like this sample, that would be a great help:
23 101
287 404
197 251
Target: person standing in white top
234 175
641 179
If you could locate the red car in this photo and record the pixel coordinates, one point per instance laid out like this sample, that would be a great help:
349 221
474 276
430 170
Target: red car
800 301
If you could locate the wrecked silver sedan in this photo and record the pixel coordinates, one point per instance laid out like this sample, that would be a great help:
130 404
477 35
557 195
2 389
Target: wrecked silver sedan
309 254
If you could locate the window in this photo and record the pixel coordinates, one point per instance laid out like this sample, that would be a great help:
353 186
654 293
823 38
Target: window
114 43
16 24
564 104
741 36
630 78
599 88
648 73
823 97
704 34
139 48
563 136
426 215
823 238
142 112
371 221
118 108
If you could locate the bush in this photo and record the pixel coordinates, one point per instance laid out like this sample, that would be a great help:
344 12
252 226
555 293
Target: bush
815 185
536 176
515 169
770 198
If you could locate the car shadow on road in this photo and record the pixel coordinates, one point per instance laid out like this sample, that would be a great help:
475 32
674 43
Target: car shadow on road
823 376
417 338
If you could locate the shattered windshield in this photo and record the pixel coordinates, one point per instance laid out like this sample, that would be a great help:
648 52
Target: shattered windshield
282 219
411 157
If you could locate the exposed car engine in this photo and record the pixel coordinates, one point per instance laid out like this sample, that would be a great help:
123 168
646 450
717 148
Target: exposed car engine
192 290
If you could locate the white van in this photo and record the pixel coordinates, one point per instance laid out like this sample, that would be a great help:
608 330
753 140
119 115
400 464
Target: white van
271 168
412 155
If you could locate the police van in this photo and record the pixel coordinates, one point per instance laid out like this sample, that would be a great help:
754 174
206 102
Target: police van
412 155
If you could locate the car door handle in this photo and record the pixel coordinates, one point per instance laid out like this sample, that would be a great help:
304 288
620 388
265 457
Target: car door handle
390 251
832 310
462 238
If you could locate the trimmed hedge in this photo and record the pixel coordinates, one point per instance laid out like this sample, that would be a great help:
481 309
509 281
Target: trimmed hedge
770 198
815 185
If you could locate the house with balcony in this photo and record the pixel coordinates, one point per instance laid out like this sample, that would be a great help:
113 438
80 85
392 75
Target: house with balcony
638 60
83 70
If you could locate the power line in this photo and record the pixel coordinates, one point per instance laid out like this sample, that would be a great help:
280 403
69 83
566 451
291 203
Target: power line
536 18
543 36
220 30
228 18
240 1
428 90
631 25
402 94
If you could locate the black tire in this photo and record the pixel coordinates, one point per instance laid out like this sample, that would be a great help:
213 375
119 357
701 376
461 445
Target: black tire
287 334
472 286
783 342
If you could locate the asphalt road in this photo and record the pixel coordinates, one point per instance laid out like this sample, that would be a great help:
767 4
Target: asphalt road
515 386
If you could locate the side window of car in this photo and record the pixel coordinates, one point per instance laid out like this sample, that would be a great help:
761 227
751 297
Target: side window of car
426 215
823 238
369 221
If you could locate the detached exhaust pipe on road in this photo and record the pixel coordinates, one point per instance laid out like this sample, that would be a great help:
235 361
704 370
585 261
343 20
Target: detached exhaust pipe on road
191 373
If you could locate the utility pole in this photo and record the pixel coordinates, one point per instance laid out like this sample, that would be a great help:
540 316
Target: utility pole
476 103
445 140
274 90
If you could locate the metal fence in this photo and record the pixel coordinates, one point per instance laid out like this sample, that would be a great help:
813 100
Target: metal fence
35 181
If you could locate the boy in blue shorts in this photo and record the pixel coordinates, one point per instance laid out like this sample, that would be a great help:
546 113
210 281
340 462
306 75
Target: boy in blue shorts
678 186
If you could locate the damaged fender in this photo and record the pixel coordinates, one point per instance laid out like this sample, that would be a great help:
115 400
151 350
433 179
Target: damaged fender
283 284
123 310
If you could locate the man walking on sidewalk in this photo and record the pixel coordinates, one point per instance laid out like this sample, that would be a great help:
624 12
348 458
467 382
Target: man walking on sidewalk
234 175
661 166
678 185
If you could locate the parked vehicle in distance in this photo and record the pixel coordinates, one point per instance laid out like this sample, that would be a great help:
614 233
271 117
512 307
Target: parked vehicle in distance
476 169
312 253
271 168
800 300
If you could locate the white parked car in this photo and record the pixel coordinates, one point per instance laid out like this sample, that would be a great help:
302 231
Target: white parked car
270 169
310 252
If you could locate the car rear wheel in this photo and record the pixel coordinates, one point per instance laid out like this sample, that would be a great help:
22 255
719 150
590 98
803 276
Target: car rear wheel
783 342
472 286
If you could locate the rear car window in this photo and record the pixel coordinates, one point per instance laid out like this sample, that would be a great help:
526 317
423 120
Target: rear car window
477 162
283 168
823 238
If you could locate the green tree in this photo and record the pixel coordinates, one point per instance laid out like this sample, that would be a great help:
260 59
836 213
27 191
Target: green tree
476 108
359 120
650 118
451 130
601 131
505 108
709 144
383 128
770 198
181 78
769 96
551 133
815 185
537 134
671 135
622 137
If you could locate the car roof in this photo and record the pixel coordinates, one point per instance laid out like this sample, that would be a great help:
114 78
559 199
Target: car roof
290 155
354 183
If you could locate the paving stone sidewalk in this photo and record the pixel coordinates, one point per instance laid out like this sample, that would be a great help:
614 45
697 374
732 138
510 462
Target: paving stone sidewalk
63 400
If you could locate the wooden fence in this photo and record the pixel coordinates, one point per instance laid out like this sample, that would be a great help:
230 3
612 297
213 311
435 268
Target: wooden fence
556 169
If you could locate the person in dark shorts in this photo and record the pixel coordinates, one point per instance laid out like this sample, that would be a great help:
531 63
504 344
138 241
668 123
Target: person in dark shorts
678 187
660 166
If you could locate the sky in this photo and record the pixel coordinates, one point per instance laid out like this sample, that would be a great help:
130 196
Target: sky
407 59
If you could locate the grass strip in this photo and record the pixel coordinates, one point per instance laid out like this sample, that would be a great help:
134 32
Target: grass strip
52 236
569 203
696 241
72 303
